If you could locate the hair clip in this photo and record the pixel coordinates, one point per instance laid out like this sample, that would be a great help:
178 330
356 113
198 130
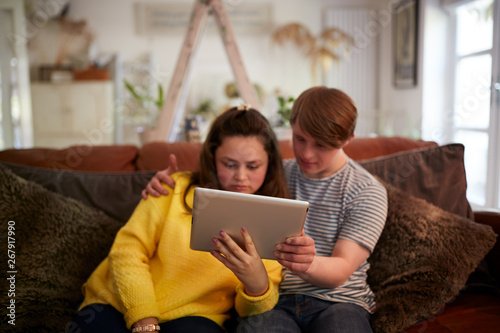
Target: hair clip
244 107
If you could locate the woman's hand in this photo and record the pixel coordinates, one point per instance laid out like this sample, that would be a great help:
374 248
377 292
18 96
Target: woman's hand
296 253
245 264
154 186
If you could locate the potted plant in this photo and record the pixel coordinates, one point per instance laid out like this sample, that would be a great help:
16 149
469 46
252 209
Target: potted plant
149 105
284 110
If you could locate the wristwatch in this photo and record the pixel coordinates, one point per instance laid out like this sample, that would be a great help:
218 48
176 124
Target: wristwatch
146 328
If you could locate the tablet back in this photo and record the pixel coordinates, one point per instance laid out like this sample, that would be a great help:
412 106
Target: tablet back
269 220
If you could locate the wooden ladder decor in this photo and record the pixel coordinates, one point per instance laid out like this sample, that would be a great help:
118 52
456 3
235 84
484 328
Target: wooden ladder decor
175 100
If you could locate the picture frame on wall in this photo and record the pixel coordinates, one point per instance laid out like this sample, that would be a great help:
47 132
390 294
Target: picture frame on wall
405 37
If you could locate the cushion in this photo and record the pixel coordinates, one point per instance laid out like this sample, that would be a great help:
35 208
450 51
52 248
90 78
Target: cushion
436 174
58 243
422 260
116 194
82 157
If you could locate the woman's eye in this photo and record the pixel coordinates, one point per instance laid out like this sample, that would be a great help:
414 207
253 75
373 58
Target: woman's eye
230 165
252 167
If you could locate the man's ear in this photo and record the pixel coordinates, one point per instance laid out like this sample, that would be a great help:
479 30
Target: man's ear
348 141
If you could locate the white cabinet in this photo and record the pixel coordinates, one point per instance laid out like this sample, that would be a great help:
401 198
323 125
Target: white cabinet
72 113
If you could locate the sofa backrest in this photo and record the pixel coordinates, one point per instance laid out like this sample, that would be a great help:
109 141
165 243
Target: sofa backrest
113 158
154 155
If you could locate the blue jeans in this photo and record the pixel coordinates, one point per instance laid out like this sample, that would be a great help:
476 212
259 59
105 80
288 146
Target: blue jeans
96 318
301 313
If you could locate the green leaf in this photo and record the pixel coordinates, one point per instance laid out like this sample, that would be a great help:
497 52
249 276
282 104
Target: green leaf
281 101
131 89
159 102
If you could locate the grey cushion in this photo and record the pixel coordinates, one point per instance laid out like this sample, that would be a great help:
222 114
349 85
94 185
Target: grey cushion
116 194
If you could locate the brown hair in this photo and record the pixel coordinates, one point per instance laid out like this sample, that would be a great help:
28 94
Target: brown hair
245 122
327 114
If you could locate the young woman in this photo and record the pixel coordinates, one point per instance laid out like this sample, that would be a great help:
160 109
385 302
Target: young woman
151 279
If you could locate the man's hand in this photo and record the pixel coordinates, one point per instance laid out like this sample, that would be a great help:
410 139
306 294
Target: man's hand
296 253
154 186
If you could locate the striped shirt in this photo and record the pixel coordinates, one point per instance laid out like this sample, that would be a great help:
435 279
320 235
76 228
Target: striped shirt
350 204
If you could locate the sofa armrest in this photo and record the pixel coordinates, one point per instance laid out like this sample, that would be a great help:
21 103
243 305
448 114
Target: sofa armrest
491 218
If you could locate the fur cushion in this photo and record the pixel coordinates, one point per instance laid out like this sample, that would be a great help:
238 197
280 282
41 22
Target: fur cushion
58 243
422 260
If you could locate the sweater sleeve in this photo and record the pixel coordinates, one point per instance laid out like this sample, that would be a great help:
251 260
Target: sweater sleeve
129 257
249 305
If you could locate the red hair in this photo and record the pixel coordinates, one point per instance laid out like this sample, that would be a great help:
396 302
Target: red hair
326 114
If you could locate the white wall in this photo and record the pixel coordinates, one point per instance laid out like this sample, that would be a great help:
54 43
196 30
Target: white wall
268 65
400 109
437 90
271 66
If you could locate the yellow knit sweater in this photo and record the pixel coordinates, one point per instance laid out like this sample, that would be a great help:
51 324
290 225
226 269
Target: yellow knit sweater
151 271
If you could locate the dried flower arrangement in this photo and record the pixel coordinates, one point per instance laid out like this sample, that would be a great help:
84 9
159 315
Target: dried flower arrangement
323 48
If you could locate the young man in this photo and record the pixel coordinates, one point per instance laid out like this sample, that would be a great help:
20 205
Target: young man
324 287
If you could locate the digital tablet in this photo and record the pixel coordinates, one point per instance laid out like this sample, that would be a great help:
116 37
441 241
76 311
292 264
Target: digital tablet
269 220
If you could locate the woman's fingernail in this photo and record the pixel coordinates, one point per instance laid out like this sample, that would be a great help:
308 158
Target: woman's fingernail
244 229
222 234
215 240
278 247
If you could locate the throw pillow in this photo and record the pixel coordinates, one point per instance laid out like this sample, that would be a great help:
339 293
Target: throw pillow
116 194
56 244
422 260
435 174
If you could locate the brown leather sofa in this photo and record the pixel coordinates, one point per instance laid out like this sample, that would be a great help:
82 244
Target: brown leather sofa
109 179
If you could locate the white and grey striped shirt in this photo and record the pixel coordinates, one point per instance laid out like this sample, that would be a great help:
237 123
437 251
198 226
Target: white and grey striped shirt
351 204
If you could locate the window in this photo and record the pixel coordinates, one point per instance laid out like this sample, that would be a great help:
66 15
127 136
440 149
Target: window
475 111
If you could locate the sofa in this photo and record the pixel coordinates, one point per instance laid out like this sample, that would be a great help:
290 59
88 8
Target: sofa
436 267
